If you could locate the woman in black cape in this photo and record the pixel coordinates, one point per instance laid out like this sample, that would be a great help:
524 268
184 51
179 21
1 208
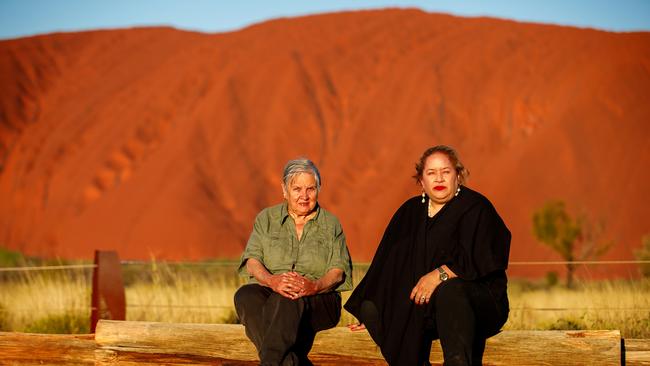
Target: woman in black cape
439 271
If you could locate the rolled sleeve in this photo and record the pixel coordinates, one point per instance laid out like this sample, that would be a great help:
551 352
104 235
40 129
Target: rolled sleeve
254 247
340 258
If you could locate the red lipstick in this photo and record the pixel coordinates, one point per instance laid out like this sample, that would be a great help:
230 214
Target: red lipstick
439 188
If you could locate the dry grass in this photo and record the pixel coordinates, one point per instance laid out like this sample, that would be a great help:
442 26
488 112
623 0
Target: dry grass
202 293
35 301
623 305
194 294
185 294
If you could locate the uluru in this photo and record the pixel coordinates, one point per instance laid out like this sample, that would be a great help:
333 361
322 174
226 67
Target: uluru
158 142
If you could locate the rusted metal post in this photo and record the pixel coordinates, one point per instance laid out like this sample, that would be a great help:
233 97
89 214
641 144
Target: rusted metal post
108 300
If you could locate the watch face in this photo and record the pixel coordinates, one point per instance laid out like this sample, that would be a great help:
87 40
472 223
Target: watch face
444 276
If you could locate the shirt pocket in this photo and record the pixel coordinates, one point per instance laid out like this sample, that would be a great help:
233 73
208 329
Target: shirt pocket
317 253
277 252
323 249
278 241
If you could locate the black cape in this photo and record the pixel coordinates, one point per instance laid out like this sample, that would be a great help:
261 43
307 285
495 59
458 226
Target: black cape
467 235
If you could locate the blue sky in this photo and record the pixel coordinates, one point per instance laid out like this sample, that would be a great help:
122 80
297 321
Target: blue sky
20 18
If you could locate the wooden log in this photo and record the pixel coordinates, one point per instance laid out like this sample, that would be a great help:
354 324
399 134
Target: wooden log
221 341
228 341
28 349
544 347
46 349
39 349
104 357
637 352
540 347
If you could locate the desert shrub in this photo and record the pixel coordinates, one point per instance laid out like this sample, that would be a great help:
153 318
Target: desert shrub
10 258
567 323
573 239
67 323
519 285
555 228
631 325
551 278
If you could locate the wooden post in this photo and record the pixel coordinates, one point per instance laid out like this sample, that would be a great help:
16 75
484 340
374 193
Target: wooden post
108 300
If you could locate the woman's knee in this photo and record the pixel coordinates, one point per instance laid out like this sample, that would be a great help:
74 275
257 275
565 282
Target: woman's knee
451 293
249 294
369 311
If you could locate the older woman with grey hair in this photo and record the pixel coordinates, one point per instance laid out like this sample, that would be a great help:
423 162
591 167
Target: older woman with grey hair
297 262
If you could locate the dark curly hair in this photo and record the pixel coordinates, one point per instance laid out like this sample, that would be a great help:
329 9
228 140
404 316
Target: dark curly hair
462 172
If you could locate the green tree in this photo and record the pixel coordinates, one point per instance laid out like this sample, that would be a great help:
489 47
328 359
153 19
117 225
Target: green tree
573 239
643 254
553 226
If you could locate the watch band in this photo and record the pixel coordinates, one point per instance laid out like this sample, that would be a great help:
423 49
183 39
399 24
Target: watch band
444 276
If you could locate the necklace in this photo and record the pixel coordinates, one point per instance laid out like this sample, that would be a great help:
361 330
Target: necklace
431 211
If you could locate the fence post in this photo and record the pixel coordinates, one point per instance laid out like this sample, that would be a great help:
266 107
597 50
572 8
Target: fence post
108 300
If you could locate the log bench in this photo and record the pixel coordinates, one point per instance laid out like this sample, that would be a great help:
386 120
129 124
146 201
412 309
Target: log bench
120 339
128 343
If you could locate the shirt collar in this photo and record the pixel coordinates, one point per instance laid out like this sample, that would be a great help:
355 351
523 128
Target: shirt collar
284 212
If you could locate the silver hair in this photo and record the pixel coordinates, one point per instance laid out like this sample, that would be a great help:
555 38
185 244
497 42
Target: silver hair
297 166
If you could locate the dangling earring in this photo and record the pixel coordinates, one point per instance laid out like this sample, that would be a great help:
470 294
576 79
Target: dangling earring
423 197
457 191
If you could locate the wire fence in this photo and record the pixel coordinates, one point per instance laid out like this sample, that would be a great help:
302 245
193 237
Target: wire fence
225 264
235 263
540 263
47 268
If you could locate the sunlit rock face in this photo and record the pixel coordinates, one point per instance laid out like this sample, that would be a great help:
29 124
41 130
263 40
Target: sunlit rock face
165 143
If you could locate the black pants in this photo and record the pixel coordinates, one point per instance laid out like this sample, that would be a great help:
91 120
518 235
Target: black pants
462 314
282 329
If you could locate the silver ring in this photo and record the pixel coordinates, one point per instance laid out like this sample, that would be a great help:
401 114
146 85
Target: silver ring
423 297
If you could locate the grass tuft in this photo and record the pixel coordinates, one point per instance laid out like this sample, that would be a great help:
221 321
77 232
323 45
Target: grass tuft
66 323
566 324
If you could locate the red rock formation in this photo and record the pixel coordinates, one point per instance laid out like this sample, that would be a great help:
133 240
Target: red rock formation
167 143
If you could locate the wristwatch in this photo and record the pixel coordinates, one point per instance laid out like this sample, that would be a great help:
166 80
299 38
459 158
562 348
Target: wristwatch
444 276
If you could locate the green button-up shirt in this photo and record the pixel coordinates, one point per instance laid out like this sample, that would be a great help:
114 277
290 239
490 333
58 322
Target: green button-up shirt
322 246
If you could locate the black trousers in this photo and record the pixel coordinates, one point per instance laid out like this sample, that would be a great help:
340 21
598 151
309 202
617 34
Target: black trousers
283 329
462 314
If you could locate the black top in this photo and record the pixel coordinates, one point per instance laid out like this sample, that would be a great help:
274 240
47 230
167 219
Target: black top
467 235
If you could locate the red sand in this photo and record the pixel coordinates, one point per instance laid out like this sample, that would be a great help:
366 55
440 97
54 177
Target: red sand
159 142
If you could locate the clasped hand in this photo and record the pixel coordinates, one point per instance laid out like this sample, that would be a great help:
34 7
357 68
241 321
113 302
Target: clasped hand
293 285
